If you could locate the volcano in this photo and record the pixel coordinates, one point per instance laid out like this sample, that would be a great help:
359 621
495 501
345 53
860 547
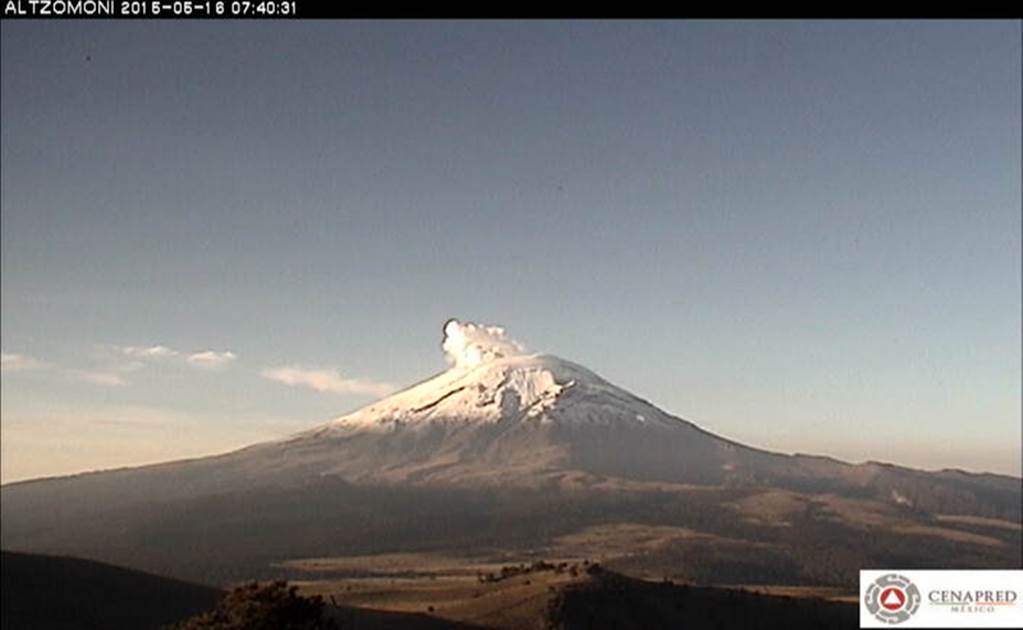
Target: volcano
486 446
519 420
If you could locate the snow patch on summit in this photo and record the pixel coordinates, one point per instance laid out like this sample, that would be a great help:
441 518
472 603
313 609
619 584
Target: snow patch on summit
519 387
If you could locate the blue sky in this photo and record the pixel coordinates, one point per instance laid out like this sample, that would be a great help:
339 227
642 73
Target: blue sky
803 236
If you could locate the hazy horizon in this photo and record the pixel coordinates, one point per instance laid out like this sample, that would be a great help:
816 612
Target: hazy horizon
802 236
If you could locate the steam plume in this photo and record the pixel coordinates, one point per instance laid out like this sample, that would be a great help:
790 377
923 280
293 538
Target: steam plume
467 344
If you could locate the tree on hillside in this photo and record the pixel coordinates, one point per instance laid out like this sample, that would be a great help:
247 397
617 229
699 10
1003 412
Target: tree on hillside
269 606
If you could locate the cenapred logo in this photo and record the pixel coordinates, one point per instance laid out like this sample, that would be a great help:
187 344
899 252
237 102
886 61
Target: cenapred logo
941 598
892 598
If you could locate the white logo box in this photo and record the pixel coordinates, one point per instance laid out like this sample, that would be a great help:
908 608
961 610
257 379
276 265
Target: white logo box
941 599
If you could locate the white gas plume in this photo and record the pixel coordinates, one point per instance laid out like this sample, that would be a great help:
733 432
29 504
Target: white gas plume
467 344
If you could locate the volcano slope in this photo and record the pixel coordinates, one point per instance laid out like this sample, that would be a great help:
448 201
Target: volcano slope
507 452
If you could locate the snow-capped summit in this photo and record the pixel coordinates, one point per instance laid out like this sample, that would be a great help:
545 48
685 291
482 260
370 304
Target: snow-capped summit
493 380
534 388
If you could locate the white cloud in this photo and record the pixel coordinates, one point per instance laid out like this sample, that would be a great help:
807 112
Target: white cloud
110 370
108 379
327 380
211 359
10 361
148 352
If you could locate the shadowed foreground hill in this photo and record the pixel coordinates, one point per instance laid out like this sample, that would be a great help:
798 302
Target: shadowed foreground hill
60 593
612 601
56 593
543 596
